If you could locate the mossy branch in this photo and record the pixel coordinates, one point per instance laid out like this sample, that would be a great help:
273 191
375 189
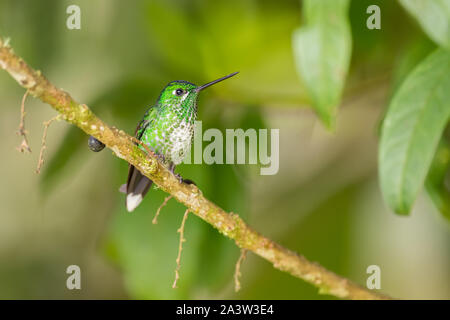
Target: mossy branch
229 224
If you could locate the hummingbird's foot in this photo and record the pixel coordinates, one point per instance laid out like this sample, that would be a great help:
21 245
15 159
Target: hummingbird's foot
161 158
178 176
189 181
181 180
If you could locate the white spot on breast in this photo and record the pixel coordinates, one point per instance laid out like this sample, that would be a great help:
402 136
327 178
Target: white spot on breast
180 139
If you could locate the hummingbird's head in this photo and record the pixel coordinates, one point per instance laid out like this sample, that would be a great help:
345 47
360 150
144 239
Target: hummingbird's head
180 92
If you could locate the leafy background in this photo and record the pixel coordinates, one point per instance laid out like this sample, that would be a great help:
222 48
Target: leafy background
363 118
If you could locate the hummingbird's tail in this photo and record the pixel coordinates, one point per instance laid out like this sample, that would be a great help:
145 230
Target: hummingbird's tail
136 188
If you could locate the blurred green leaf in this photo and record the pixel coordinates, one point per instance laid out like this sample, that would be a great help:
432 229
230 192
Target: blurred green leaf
434 18
197 47
412 128
435 182
173 31
410 57
322 49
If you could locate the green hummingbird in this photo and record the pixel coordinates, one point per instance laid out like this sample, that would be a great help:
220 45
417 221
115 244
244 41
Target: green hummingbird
167 129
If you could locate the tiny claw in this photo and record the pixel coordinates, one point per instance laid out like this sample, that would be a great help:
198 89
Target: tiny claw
189 181
179 177
181 180
161 158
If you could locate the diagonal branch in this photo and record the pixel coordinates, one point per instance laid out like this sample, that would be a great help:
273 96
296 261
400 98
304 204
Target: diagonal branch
229 224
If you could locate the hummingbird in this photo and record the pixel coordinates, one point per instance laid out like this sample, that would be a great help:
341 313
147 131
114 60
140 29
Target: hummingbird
167 128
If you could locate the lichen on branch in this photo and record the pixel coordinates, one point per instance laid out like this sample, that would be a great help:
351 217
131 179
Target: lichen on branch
229 224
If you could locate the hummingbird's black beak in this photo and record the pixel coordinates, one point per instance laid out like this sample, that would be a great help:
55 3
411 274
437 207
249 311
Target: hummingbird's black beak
198 89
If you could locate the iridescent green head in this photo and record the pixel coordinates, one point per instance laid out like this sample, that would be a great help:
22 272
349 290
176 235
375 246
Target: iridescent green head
183 93
178 93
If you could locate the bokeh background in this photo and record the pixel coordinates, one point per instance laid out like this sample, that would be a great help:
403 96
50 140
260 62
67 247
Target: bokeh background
324 202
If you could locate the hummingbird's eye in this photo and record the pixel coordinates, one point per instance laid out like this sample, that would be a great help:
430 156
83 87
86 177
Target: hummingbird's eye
179 92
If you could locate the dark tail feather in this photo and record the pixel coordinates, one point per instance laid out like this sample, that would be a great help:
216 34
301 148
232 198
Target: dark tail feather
137 186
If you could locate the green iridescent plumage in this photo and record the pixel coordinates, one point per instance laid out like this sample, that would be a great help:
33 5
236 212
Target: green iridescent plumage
167 128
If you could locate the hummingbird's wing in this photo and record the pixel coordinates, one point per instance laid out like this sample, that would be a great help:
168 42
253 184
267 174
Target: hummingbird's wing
137 184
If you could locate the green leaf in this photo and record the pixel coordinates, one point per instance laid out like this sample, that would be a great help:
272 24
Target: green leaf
409 58
434 18
435 183
322 49
414 123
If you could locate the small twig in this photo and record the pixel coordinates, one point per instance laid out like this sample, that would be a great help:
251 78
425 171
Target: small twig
180 248
44 146
155 219
237 271
24 147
